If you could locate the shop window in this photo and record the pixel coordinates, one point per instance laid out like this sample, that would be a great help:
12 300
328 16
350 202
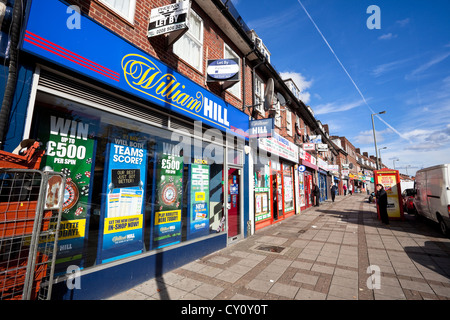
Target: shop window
190 46
131 187
262 192
288 180
124 8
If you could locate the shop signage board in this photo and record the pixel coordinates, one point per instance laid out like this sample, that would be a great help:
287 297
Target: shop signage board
96 52
170 18
322 147
123 195
390 179
279 146
263 128
70 146
169 201
199 201
309 147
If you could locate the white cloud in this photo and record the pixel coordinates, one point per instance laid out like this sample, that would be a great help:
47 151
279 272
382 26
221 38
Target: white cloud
387 36
403 22
336 107
427 65
301 83
366 137
390 66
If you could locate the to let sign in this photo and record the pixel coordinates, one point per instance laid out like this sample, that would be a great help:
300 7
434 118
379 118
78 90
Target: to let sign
170 18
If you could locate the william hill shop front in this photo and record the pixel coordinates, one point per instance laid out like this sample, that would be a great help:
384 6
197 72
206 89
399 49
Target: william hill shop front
145 183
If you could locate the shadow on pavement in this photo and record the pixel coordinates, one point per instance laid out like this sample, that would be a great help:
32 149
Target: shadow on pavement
432 250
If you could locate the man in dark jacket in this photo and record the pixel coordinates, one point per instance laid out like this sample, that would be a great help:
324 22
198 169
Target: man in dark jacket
316 193
333 192
382 203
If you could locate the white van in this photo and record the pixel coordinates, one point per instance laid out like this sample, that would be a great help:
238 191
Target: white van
432 199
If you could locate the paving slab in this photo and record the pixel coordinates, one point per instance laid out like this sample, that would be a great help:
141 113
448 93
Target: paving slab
327 251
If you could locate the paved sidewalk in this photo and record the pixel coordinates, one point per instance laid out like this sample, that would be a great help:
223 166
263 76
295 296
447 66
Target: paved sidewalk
321 254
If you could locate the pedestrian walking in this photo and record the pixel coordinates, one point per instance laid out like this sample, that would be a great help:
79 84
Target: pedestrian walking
345 189
350 189
382 203
316 193
333 192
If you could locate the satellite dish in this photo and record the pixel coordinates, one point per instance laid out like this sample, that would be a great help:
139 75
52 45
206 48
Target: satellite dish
281 99
268 94
350 165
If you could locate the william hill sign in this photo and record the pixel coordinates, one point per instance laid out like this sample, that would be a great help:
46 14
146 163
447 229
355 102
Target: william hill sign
261 128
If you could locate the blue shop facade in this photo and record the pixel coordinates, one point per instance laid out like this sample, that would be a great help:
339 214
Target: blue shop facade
155 163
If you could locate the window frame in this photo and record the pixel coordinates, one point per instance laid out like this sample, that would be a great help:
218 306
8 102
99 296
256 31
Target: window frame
237 84
192 38
259 94
289 123
131 12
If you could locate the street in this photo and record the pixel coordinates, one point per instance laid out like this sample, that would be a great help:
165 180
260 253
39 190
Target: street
322 254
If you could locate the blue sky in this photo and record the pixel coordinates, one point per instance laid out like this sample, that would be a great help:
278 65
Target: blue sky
402 68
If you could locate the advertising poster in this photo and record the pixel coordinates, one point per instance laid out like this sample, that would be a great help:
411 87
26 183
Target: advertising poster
70 150
199 201
168 202
262 193
123 194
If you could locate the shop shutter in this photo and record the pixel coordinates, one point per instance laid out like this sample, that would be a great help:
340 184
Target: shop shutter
81 89
76 88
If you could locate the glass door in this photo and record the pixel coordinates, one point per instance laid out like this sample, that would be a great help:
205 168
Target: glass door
234 211
277 195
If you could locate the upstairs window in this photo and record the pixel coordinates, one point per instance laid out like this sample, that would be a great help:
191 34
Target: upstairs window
289 122
190 46
124 8
259 95
236 88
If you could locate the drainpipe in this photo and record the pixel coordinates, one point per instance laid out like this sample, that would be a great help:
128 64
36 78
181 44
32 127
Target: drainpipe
13 70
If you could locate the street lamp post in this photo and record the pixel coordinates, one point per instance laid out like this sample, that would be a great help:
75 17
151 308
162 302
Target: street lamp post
393 162
379 152
374 136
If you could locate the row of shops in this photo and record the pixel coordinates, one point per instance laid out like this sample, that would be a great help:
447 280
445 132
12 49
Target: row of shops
160 171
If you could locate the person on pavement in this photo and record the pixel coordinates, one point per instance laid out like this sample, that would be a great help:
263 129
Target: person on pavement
316 193
382 203
333 192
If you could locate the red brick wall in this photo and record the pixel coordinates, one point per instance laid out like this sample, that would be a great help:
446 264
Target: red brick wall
136 33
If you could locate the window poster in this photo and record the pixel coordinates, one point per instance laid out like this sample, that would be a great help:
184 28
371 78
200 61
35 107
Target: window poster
262 192
198 201
123 195
70 144
288 189
168 201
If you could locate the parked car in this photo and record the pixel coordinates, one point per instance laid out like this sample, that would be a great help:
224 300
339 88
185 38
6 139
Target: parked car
408 200
432 199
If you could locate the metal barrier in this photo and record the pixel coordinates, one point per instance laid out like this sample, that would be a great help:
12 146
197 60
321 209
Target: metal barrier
30 214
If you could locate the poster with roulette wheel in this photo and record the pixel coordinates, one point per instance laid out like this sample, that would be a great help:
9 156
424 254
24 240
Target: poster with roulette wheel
70 144
168 204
